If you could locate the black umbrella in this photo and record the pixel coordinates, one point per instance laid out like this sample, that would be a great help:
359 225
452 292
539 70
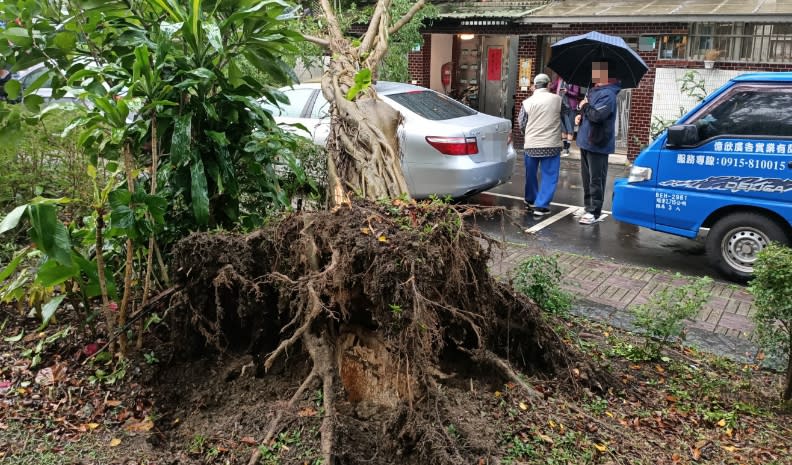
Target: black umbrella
572 58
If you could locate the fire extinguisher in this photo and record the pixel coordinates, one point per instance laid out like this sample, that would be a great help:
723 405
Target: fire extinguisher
445 76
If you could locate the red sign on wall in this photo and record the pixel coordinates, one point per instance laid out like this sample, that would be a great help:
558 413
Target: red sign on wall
494 63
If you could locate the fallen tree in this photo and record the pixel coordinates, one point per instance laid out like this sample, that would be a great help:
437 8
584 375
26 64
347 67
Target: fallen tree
393 302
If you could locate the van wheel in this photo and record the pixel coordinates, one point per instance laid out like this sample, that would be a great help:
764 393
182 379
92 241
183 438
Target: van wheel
735 240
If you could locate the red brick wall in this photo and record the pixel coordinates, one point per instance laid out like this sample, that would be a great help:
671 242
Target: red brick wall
419 63
641 98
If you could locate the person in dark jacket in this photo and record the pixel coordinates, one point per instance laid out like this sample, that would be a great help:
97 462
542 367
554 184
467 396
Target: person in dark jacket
596 139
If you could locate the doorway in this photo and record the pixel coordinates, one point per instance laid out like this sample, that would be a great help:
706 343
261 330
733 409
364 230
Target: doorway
499 76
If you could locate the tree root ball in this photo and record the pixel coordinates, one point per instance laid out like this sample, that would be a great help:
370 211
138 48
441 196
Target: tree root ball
392 302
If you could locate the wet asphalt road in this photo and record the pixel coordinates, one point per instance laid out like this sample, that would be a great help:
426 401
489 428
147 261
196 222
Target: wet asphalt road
610 239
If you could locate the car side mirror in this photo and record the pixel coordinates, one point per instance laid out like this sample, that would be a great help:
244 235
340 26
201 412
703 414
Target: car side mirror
682 135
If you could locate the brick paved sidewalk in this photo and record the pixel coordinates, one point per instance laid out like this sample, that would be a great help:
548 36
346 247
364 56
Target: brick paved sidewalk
620 286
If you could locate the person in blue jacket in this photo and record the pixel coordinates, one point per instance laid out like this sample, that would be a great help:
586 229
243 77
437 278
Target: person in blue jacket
596 139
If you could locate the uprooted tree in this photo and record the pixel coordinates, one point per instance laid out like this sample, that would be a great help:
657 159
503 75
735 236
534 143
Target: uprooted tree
389 299
393 304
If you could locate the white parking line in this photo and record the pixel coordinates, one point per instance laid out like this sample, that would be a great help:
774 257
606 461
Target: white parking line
539 226
565 205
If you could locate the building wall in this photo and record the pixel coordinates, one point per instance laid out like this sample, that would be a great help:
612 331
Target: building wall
441 53
419 63
642 98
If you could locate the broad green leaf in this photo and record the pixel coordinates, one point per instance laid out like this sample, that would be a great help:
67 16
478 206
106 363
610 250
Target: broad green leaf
180 143
121 215
35 85
172 8
91 277
199 191
203 74
235 75
91 171
65 40
12 219
16 338
12 89
109 110
212 31
18 36
52 273
195 15
12 266
33 102
48 233
48 309
157 206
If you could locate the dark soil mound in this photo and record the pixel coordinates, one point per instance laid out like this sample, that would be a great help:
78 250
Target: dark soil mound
388 308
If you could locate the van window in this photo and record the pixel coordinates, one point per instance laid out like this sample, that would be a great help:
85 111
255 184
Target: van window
751 111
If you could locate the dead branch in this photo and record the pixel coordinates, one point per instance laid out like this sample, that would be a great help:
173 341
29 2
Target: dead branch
486 357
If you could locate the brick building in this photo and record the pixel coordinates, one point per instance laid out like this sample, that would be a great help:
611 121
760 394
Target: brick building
490 45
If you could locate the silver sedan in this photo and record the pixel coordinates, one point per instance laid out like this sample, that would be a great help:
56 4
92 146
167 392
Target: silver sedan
449 149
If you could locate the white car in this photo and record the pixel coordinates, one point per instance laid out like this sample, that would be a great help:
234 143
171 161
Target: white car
448 148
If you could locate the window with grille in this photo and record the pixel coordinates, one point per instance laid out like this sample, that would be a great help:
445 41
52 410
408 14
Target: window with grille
741 42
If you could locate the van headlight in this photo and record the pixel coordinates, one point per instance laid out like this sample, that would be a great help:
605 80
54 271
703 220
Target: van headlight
639 174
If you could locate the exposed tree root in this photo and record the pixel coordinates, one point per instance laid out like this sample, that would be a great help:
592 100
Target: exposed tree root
383 298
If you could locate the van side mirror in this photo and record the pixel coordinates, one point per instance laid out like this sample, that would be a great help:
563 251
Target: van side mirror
682 135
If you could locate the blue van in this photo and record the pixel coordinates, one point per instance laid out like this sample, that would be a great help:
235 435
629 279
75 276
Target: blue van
725 167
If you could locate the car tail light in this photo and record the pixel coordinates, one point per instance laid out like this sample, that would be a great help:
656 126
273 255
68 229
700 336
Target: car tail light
454 145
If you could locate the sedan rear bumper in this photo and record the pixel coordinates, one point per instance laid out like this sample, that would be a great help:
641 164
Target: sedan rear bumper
460 177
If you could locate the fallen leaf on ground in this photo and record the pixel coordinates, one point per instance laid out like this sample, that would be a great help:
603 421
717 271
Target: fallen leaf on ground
114 442
112 403
523 406
545 438
601 447
248 440
722 422
45 377
306 412
139 426
92 426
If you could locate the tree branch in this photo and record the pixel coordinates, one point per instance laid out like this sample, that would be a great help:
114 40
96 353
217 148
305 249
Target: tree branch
334 29
374 25
407 17
320 41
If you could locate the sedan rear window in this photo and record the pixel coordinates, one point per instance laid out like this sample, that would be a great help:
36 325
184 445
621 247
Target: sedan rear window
431 105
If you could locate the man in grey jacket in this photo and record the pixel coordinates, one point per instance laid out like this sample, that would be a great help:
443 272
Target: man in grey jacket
540 121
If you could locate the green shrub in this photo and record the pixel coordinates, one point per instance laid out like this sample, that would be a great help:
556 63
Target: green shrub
41 162
663 317
772 290
538 278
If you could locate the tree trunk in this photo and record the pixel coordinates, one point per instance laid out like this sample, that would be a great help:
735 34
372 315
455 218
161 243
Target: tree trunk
788 388
364 157
130 253
152 240
100 268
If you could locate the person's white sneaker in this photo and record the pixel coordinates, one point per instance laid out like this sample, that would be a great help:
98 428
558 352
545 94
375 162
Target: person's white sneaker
579 212
588 218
